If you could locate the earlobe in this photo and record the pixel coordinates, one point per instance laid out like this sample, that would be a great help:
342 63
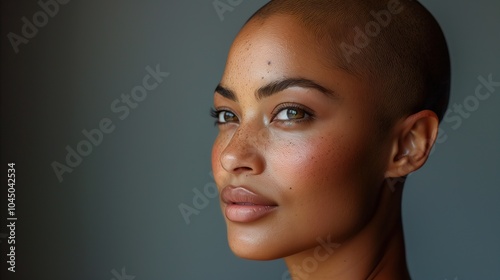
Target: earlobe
415 138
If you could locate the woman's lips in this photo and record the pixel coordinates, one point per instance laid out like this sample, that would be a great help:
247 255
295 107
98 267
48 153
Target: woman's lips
244 206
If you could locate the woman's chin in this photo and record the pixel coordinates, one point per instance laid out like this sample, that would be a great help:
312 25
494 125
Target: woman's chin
257 254
252 249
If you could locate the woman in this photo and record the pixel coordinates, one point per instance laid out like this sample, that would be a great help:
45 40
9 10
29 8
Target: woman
323 110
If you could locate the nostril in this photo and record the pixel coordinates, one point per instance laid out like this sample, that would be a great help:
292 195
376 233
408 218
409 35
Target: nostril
242 169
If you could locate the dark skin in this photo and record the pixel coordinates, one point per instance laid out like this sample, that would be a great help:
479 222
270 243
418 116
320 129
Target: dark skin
301 137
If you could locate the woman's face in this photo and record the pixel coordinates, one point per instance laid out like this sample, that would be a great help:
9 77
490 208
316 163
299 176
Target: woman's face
298 155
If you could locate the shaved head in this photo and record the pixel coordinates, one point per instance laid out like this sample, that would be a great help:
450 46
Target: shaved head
394 45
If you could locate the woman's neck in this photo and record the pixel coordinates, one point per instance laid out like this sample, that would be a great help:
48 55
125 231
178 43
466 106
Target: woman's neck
376 252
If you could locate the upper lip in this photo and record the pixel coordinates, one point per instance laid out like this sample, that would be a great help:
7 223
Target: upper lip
244 196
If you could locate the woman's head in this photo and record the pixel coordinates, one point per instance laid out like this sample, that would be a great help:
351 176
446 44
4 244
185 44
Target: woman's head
301 152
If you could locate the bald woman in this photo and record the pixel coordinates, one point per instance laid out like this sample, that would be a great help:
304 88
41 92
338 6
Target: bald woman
323 109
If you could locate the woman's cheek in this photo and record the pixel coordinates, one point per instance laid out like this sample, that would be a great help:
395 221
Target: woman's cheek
304 159
315 176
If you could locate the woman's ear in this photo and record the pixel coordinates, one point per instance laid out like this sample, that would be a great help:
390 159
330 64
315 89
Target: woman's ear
414 139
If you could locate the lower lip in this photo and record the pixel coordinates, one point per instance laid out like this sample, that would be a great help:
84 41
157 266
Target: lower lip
247 213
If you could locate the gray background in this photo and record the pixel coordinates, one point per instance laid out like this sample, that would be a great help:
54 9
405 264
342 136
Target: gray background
119 207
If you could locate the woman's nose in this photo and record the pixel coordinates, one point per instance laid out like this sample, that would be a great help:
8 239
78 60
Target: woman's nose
244 152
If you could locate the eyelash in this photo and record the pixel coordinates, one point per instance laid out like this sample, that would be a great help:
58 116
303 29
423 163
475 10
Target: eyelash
214 113
309 115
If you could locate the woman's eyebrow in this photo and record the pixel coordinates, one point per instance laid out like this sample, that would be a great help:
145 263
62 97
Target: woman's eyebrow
278 86
227 93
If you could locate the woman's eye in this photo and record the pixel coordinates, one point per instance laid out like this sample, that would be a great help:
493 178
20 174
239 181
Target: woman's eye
291 114
224 116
